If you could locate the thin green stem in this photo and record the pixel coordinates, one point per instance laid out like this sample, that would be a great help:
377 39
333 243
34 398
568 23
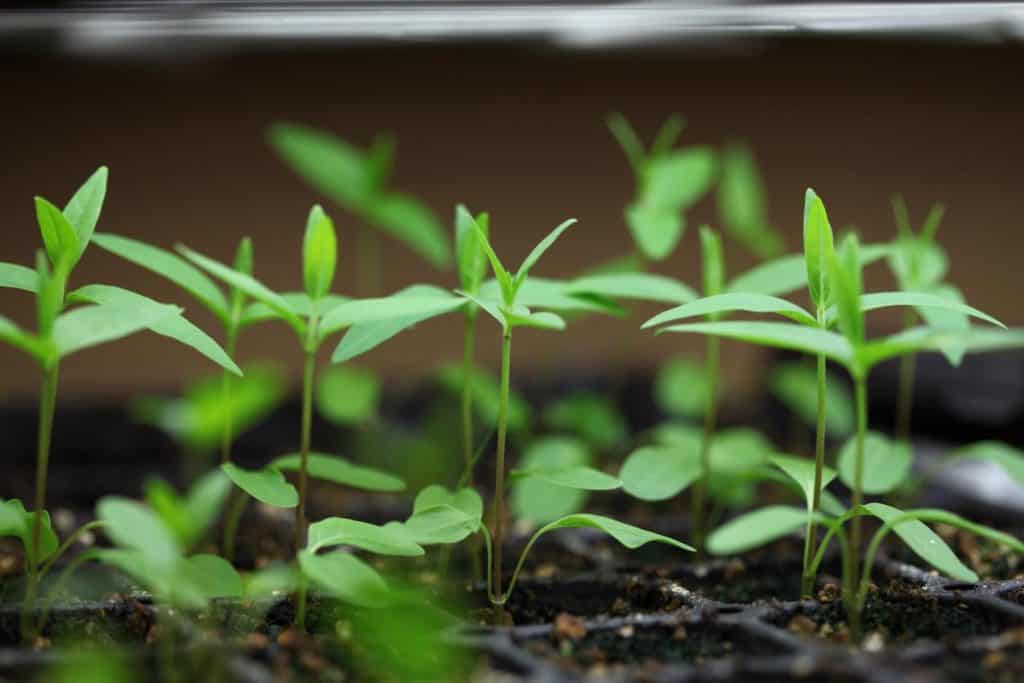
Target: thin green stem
860 396
307 424
467 399
499 470
698 512
225 397
905 406
68 542
807 587
239 501
369 260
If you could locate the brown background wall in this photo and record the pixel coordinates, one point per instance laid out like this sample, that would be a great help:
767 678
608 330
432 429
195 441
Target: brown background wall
520 133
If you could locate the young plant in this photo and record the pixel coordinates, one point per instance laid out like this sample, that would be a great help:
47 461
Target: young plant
818 256
357 181
109 314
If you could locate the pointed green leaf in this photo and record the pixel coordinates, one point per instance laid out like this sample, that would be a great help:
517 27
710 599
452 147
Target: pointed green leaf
390 539
643 286
18 277
540 500
781 335
502 275
411 222
543 320
347 395
661 472
92 325
248 284
656 229
267 485
326 162
801 471
796 385
886 463
133 526
83 210
713 261
470 254
679 178
384 309
205 500
623 132
319 253
871 302
845 282
59 236
728 303
465 500
1006 456
363 337
25 341
176 327
573 476
340 471
169 265
345 576
943 319
16 522
925 543
531 259
741 204
755 529
818 248
212 576
548 294
780 276
299 302
626 534
443 516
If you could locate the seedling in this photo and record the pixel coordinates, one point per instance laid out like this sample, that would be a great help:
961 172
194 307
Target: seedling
110 313
357 181
315 315
818 256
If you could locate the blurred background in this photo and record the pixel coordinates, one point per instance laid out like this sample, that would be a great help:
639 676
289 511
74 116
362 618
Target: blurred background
501 106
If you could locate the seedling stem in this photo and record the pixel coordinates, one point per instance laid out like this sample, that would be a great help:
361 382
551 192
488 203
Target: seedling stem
710 416
499 472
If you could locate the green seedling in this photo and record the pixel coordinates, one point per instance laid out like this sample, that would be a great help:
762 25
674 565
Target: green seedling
511 313
795 384
357 181
108 313
819 255
315 315
741 203
919 264
190 516
668 182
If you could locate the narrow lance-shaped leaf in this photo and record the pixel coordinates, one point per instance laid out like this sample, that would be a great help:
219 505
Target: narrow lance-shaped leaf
330 164
24 341
59 236
410 220
531 259
169 265
877 300
731 302
92 325
249 285
626 534
504 278
267 485
844 279
644 286
780 335
573 476
319 253
385 308
801 471
928 545
818 247
363 337
679 178
18 277
628 140
741 203
470 254
83 209
176 327
755 529
340 471
389 539
713 261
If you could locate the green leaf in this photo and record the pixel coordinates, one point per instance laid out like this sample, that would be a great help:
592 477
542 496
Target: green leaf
384 309
679 178
132 525
363 337
845 281
593 417
1006 456
541 500
573 476
661 472
169 265
248 284
531 259
755 529
942 319
271 581
818 248
681 388
212 576
59 236
727 303
175 327
470 254
789 273
18 277
801 471
25 341
299 302
390 539
346 577
466 500
410 221
525 318
267 485
92 325
502 275
796 385
442 516
917 263
204 502
741 204
326 162
165 502
735 454
643 286
781 335
319 253
922 300
347 395
886 463
340 471
656 229
623 132
555 295
15 521
486 395
626 534
925 543
713 260
83 209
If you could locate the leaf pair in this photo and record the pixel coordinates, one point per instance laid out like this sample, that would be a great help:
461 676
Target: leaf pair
189 517
67 233
18 523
